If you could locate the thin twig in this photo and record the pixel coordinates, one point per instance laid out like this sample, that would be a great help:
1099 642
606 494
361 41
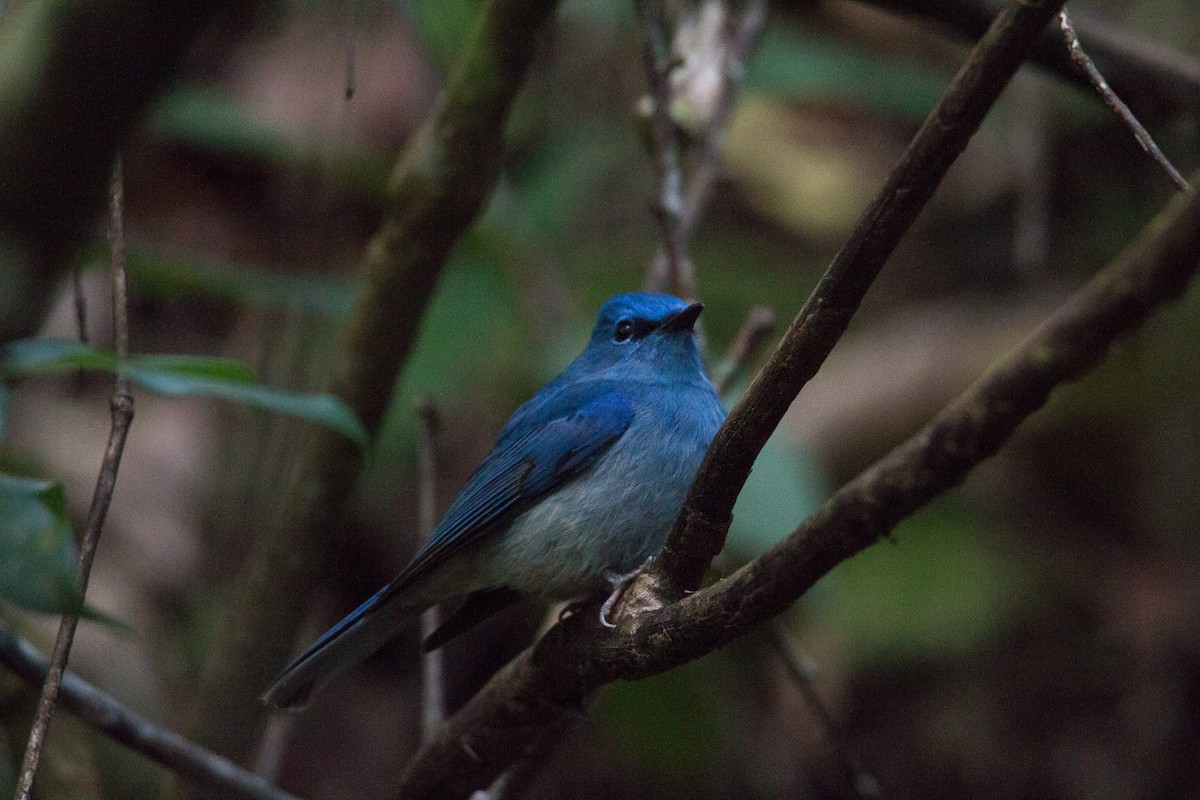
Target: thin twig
433 701
860 782
1115 103
122 416
105 713
664 138
80 303
759 324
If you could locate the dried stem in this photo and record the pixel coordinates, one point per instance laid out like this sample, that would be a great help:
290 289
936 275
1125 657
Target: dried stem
121 404
759 324
860 783
1088 68
433 704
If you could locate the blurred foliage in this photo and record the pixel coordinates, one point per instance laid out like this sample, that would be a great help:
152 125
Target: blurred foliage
37 546
177 375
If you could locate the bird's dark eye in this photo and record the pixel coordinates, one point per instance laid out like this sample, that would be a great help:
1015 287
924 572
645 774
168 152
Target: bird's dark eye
623 331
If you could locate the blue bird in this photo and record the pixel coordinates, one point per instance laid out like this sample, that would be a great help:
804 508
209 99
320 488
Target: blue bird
579 491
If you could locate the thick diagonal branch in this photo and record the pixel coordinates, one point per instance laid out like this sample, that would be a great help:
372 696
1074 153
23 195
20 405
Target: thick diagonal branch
439 186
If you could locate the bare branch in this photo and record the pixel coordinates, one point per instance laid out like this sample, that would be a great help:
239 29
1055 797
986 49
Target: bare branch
734 49
106 714
1118 106
759 324
859 782
737 53
122 417
1136 66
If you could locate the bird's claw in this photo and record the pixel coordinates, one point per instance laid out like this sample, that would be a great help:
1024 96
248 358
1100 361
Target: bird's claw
620 582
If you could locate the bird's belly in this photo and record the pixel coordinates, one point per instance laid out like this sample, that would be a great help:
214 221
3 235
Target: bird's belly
611 519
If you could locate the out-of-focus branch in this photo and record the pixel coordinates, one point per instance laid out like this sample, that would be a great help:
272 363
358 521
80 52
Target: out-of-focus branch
665 145
730 47
758 325
860 783
440 184
121 407
1135 66
552 679
106 714
433 693
1118 106
76 79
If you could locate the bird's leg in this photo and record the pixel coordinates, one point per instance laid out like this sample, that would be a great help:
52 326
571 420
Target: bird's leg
619 583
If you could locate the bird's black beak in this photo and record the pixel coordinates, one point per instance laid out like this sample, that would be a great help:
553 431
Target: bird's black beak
682 320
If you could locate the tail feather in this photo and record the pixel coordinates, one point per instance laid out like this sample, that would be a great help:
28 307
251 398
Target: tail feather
357 636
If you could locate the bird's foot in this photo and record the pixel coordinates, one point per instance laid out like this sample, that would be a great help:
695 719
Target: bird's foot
620 582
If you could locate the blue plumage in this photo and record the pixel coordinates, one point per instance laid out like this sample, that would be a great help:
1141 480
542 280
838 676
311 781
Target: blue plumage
584 480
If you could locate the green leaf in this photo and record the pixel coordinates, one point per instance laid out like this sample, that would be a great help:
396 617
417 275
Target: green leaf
37 546
177 375
40 356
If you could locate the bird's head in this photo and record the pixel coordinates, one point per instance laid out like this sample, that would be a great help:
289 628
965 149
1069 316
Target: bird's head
645 336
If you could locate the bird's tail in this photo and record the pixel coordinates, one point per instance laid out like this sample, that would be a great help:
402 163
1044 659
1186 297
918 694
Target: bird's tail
358 635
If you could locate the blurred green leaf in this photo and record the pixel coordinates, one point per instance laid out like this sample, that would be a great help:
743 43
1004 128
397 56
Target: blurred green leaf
939 587
176 375
802 67
216 122
443 26
180 278
37 546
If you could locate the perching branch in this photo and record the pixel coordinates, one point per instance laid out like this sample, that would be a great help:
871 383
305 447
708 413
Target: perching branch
440 184
551 680
1088 68
106 714
121 405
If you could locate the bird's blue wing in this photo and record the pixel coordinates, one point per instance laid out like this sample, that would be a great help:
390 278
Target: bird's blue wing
556 439
557 436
